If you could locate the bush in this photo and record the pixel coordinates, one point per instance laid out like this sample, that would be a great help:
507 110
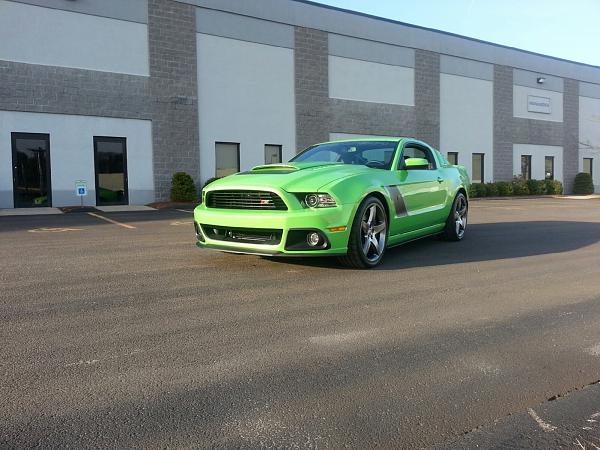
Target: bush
505 189
536 187
519 186
491 190
584 185
182 188
477 190
554 187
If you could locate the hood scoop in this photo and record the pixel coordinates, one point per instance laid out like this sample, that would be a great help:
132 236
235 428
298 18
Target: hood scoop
273 167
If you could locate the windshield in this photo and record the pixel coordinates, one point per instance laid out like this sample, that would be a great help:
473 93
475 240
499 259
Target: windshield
376 154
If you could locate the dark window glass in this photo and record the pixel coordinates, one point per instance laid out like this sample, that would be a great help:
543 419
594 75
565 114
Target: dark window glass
477 161
227 158
413 151
31 169
375 154
272 154
453 158
549 167
111 170
588 165
526 167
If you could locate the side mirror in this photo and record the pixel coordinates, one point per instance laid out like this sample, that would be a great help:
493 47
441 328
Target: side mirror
416 163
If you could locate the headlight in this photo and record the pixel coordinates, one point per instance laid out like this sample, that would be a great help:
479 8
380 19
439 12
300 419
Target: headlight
319 201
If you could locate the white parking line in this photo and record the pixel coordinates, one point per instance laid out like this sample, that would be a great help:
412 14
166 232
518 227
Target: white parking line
184 210
543 425
124 225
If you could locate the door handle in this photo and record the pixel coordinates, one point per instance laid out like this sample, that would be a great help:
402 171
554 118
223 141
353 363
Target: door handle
440 179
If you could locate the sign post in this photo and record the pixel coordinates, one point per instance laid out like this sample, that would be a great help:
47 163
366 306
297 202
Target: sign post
81 190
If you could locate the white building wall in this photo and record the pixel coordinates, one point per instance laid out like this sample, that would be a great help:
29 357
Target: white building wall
246 95
520 103
538 154
466 120
72 153
38 35
589 135
353 79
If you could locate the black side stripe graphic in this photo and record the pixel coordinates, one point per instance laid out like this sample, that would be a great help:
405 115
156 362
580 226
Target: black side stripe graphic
398 200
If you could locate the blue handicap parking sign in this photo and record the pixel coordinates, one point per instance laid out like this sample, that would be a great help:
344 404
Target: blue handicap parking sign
81 191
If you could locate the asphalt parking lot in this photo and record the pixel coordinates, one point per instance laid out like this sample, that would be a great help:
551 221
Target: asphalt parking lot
123 334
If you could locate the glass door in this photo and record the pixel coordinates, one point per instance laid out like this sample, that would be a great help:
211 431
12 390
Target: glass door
110 158
31 170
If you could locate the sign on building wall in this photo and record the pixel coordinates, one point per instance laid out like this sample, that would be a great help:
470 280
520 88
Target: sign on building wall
539 104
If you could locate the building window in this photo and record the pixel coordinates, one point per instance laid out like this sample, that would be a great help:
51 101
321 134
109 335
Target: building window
227 158
587 165
110 160
526 167
453 158
477 167
549 167
272 154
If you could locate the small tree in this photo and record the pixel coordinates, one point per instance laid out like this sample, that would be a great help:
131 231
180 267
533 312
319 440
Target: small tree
182 188
584 185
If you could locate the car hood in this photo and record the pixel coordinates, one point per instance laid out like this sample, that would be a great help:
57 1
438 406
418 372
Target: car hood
291 177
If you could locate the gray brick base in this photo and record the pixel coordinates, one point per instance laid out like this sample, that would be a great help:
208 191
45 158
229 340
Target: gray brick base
173 75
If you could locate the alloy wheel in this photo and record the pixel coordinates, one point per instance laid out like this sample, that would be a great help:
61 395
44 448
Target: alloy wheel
373 232
460 216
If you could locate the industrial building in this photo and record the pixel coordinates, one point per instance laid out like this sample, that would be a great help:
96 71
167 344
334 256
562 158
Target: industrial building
123 93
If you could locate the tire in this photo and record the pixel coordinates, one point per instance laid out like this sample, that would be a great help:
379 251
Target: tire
456 224
368 235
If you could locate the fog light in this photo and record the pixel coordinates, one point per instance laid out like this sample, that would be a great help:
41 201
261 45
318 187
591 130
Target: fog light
313 239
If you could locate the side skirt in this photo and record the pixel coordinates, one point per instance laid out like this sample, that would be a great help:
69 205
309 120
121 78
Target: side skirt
399 239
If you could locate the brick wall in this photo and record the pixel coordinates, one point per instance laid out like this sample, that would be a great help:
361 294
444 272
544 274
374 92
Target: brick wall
47 89
571 133
427 97
311 62
503 123
174 90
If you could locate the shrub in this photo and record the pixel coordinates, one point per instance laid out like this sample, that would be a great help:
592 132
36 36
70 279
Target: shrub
584 185
182 188
505 188
536 187
554 187
557 187
478 190
491 190
519 186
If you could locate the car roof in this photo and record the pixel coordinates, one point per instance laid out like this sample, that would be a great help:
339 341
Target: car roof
377 139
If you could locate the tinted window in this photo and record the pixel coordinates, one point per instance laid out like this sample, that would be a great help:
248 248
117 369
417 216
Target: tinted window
477 161
227 158
376 154
413 151
453 158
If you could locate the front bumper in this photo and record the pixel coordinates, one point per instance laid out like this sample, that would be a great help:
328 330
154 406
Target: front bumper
321 219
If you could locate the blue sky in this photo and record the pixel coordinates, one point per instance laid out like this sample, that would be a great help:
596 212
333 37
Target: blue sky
567 29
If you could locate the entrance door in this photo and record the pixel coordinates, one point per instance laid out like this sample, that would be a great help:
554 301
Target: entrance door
110 157
31 170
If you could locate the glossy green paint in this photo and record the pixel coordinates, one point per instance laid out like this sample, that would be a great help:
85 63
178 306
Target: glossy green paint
427 196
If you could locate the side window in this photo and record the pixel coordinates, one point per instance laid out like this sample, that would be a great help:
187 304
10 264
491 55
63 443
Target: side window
416 151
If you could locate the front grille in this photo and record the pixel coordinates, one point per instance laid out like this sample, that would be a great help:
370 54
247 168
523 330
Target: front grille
244 200
243 235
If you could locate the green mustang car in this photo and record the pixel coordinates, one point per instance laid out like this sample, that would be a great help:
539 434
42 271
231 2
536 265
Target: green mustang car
351 199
